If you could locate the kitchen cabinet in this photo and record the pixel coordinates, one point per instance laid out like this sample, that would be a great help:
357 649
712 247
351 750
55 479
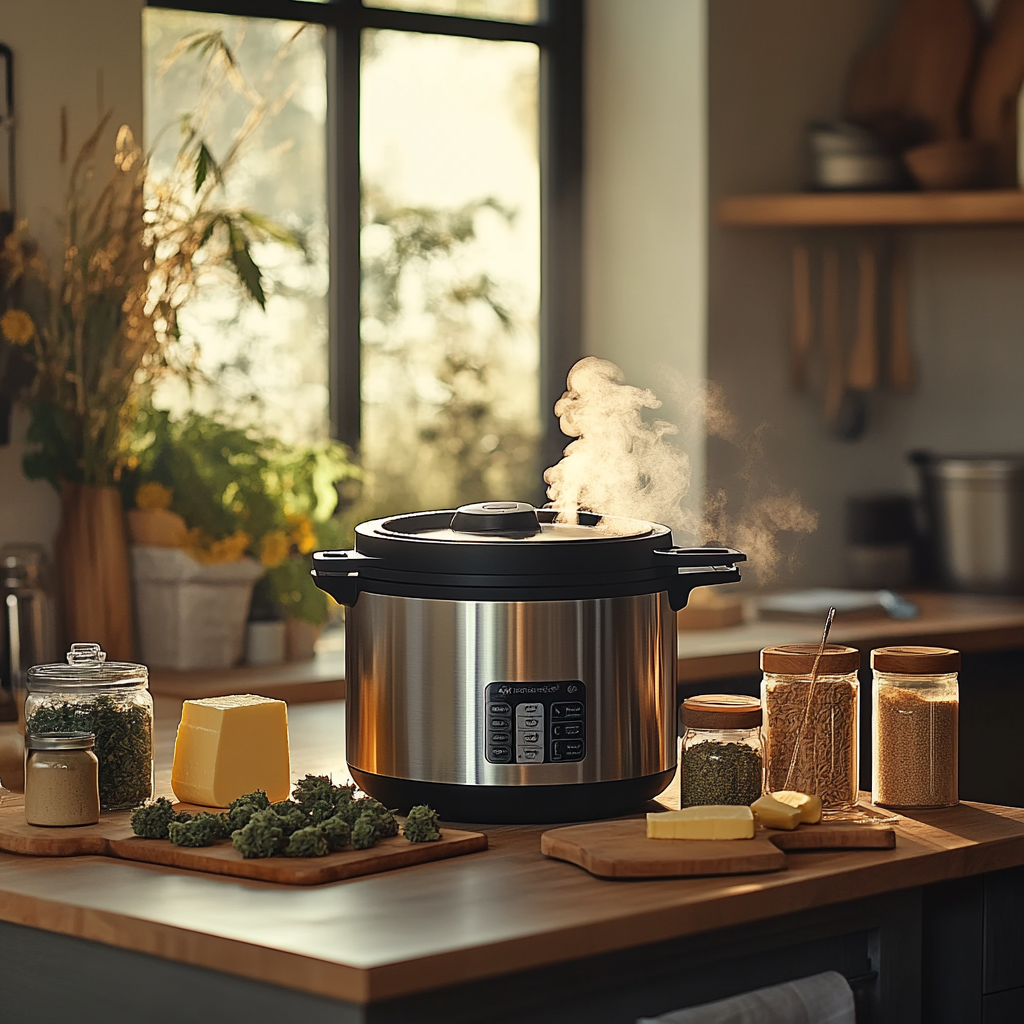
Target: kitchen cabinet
507 935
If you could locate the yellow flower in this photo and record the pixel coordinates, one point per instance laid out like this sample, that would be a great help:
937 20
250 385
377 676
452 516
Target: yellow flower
153 496
17 327
300 529
274 548
217 552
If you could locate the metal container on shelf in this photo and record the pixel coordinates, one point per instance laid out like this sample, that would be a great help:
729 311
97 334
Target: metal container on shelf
975 511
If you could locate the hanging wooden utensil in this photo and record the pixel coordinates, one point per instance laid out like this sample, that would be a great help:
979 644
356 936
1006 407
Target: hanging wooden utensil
901 356
803 316
863 369
834 376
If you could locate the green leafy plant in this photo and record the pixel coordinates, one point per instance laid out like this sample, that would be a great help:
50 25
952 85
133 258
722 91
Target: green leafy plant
225 481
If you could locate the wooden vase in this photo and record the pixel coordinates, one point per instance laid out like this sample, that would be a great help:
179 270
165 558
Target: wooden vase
95 577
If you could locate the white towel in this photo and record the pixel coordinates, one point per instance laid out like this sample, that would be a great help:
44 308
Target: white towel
820 999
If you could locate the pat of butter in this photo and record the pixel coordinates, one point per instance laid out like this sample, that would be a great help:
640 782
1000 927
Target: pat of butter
774 813
712 821
227 746
807 804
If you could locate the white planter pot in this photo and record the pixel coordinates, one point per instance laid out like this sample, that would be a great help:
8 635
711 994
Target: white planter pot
190 616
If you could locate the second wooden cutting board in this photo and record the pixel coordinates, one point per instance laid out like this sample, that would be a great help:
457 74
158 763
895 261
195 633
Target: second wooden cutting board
621 849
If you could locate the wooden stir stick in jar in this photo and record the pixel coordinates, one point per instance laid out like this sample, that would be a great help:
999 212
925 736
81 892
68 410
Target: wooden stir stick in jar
810 696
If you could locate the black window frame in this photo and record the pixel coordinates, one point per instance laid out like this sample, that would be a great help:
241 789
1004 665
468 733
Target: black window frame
558 34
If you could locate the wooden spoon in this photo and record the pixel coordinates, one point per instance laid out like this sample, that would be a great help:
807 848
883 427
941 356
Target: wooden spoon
803 317
834 377
863 369
901 356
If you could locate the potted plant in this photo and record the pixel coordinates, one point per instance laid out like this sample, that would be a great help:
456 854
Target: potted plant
213 509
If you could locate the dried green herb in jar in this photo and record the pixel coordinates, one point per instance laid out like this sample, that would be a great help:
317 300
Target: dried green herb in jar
720 773
124 742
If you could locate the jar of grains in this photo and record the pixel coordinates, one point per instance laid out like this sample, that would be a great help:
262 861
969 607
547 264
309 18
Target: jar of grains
111 700
61 780
811 733
723 759
915 725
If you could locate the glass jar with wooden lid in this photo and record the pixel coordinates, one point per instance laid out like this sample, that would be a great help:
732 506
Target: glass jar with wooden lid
915 726
812 721
723 757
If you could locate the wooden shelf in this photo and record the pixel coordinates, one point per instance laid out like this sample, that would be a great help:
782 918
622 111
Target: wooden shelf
853 209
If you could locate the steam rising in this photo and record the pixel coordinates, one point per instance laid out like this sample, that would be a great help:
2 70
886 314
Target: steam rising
623 465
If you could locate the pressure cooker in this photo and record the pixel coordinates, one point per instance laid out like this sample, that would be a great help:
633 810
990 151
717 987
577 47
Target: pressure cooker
504 665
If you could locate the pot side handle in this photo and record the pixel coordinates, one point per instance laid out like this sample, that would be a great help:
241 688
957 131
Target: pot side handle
337 573
687 580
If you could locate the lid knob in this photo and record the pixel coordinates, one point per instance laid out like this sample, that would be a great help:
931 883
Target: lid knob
86 654
507 517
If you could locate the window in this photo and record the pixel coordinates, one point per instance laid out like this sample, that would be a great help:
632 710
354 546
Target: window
428 155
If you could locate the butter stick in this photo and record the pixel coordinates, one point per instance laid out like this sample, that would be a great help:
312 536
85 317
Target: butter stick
712 821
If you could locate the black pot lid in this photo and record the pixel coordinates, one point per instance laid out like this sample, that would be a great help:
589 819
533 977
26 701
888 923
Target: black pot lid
513 539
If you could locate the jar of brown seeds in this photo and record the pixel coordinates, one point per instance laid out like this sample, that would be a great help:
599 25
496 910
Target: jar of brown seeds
915 726
811 727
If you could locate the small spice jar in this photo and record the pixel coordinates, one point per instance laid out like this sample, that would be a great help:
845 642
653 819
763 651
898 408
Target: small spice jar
61 780
111 700
811 732
915 726
723 759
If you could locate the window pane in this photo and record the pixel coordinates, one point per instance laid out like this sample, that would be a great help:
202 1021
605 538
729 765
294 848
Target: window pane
493 10
267 368
451 269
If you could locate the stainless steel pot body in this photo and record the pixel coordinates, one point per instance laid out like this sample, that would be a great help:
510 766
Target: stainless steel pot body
976 513
461 692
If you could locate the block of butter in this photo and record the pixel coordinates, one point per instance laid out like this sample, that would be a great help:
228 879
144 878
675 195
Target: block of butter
807 804
774 813
227 746
713 821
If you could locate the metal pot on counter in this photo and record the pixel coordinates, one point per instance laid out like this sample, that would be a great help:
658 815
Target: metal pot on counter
974 508
502 666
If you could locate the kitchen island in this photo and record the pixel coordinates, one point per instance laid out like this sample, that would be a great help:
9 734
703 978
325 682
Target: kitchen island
929 931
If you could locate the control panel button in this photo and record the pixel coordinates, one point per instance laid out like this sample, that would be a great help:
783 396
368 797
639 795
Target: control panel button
571 709
500 737
529 709
499 754
567 730
528 755
500 723
500 709
530 737
567 750
528 723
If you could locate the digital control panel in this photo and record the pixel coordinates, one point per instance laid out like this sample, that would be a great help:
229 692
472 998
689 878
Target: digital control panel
535 723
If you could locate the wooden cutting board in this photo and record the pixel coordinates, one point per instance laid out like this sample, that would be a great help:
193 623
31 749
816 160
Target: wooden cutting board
113 837
838 836
621 849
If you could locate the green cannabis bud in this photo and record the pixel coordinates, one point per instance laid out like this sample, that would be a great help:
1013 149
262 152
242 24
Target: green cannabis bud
289 817
261 837
202 830
364 831
307 842
244 807
337 832
421 825
151 821
311 789
387 826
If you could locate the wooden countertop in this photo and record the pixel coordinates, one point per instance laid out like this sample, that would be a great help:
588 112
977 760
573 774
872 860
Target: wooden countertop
481 915
967 622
